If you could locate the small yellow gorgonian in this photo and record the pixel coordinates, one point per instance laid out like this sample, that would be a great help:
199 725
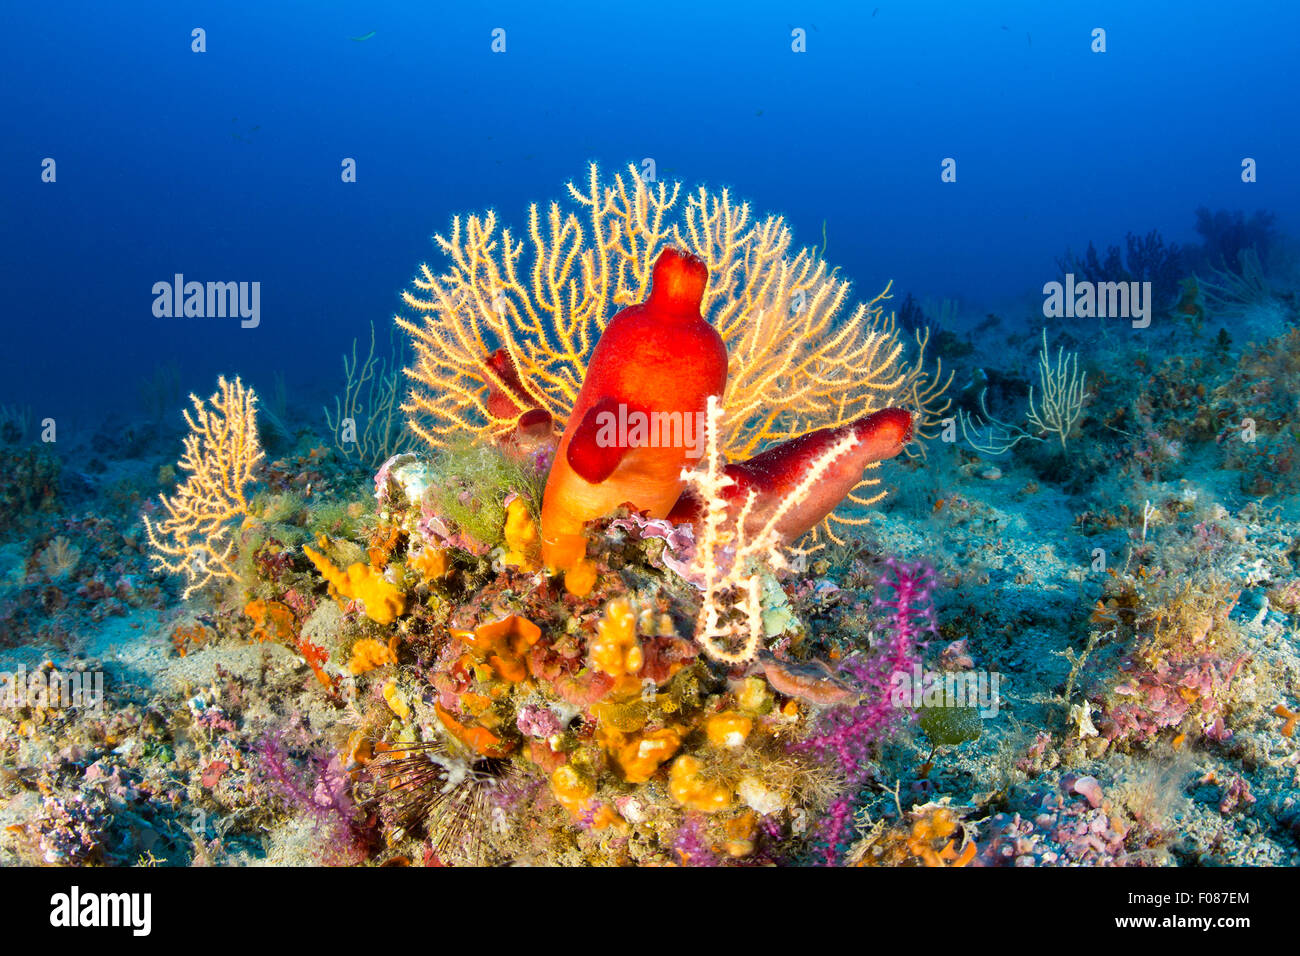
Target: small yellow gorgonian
195 539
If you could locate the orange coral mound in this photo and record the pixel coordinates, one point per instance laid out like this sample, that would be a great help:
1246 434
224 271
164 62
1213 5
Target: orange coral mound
640 755
384 602
274 621
572 790
368 653
503 645
728 729
521 536
930 841
615 650
928 831
432 563
689 786
383 541
184 637
478 739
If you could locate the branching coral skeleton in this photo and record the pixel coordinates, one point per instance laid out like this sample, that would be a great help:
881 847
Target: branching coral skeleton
1231 293
371 401
1056 411
730 553
59 557
1062 393
221 452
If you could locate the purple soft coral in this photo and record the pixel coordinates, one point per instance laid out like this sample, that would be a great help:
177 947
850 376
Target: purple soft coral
691 843
850 735
320 790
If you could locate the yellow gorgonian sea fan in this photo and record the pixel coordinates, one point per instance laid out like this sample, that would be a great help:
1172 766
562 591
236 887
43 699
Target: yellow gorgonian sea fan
798 359
195 539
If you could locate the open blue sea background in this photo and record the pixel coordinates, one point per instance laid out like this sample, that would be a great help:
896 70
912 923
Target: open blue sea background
225 165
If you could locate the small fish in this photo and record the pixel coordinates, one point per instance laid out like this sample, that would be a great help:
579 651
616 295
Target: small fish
758 113
363 37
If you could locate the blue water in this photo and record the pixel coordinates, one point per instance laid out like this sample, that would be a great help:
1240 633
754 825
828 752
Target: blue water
225 165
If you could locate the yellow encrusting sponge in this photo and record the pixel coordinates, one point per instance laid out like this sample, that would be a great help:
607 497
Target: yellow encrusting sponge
384 602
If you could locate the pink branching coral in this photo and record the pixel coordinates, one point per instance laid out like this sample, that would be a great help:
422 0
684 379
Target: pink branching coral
691 843
850 735
321 790
835 832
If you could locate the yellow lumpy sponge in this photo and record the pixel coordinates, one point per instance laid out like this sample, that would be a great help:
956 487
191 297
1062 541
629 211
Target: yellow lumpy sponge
521 536
384 602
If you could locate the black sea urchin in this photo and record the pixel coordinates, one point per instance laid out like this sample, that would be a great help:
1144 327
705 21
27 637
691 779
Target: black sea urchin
425 787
